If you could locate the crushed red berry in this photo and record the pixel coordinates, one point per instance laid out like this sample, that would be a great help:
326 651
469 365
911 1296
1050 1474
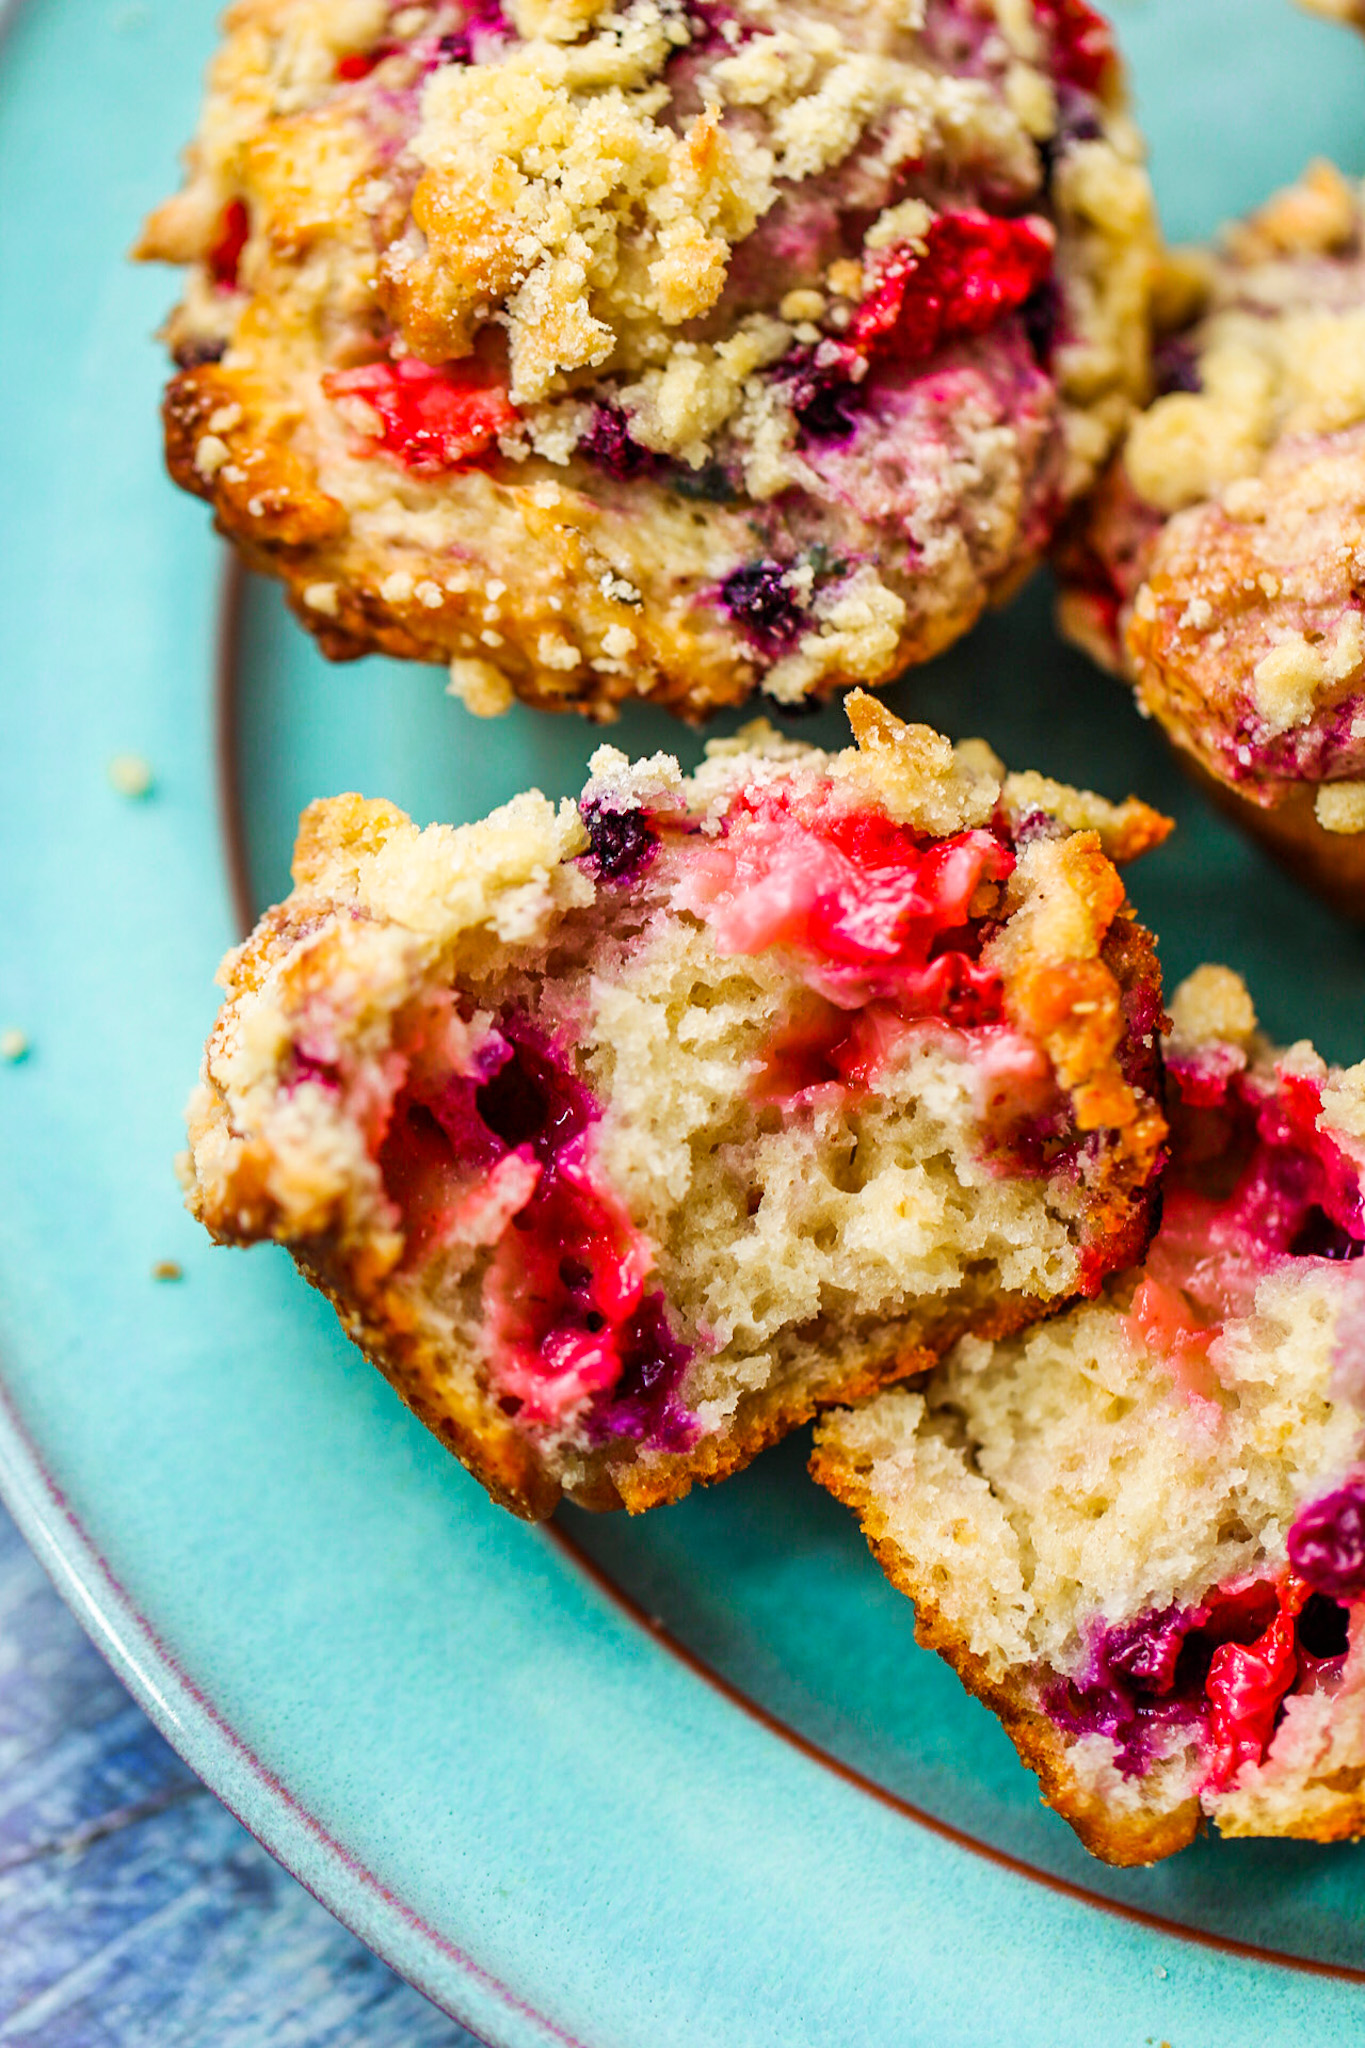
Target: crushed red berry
875 909
1152 1674
430 417
359 64
1082 42
1327 1542
975 268
1294 1194
1246 1685
225 254
501 1154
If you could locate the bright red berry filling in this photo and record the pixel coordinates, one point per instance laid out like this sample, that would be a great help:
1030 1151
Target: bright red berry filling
1222 1670
975 268
1245 1687
1295 1195
428 417
1082 42
360 63
225 255
871 906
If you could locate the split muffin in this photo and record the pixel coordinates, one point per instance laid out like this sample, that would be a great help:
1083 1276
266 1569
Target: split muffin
624 1135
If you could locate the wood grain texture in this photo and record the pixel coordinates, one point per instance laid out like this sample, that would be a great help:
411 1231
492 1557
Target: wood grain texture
134 1911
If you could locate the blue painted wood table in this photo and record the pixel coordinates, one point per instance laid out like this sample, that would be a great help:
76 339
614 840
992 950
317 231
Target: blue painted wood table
134 1911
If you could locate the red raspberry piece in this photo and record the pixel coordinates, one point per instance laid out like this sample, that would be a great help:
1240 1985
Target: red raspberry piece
1082 42
1246 1684
975 269
360 63
433 416
226 252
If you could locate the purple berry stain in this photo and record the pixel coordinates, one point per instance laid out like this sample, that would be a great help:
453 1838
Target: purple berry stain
483 19
1175 366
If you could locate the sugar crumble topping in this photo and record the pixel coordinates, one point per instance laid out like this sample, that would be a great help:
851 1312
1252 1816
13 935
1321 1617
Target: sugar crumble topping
608 304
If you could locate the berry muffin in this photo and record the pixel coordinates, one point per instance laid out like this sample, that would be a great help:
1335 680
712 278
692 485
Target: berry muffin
1222 560
1138 1532
623 1135
671 350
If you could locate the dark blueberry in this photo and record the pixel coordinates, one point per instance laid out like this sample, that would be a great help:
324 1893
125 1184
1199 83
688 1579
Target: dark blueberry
1322 1628
190 355
757 598
821 389
1077 121
622 842
1320 1238
534 1100
608 443
1175 366
711 484
1327 1542
1041 313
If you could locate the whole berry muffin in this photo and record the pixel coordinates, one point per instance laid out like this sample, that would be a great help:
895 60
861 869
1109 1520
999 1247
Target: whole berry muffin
1138 1532
1221 562
624 1135
669 350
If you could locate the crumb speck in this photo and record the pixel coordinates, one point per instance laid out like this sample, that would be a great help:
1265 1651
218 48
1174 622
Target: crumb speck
131 775
168 1269
13 1046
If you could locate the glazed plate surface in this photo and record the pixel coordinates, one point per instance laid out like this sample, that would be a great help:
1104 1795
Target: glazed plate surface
680 1781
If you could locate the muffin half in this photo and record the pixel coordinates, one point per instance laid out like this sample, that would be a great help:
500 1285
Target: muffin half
624 1135
1138 1532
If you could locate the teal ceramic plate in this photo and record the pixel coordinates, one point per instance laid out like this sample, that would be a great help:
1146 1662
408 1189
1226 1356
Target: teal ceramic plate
681 1781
